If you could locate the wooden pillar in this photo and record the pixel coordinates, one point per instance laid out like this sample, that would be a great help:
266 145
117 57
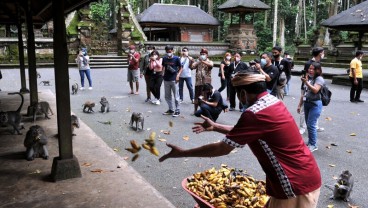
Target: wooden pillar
65 166
32 73
21 54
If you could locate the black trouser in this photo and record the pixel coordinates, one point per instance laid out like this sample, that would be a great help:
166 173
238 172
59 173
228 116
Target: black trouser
225 84
208 111
356 89
155 84
233 97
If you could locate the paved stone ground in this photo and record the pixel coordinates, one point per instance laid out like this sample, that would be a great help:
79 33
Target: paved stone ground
340 119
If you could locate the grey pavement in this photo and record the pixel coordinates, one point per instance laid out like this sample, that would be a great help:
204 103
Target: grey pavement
340 119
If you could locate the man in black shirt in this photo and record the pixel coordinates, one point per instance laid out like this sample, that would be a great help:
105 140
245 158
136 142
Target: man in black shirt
270 71
283 66
212 107
236 66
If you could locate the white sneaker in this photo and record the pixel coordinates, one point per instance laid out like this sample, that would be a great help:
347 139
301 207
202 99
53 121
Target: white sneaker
302 130
90 88
82 88
153 101
157 102
320 129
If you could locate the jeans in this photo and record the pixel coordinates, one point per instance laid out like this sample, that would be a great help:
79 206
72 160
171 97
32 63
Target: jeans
312 111
188 81
172 87
208 111
287 87
88 74
356 89
155 85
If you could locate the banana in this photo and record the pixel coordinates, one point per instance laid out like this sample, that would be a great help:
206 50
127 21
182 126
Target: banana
152 135
135 157
146 146
154 151
131 150
135 145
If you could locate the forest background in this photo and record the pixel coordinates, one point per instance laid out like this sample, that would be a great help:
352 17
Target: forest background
286 21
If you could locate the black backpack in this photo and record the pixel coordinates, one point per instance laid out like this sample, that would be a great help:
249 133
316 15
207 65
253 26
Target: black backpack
325 95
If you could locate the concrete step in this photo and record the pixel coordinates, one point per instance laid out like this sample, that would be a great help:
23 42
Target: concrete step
109 66
344 80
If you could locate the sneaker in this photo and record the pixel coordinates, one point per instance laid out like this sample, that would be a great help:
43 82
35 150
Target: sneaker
90 88
320 129
231 109
147 100
312 148
168 112
301 130
157 102
359 100
192 101
176 114
153 101
353 101
82 88
181 101
241 110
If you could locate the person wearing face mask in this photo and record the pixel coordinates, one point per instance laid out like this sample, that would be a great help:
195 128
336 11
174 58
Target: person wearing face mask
270 71
172 70
133 72
203 67
284 71
356 77
236 66
146 71
84 69
155 66
292 174
212 107
224 74
186 74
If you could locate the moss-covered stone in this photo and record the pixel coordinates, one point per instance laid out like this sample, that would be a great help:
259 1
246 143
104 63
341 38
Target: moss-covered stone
72 29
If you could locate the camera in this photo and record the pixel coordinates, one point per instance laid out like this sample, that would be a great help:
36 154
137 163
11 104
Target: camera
252 63
304 73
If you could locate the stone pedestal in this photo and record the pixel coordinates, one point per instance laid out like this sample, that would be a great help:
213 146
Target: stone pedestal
242 36
65 169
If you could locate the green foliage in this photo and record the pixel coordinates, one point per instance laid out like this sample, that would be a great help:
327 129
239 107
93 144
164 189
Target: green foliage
72 28
99 10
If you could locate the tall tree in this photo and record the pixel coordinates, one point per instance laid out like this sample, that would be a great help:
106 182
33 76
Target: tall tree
274 34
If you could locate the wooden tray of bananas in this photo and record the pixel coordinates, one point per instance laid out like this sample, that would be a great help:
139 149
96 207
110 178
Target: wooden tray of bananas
226 188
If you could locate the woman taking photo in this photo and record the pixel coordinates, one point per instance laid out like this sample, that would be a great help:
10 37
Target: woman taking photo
155 65
224 74
311 98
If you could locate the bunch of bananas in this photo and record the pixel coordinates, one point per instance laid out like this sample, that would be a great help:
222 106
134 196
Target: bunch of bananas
135 149
150 144
228 187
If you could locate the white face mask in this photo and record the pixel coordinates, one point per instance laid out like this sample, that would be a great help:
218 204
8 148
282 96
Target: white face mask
322 56
185 53
150 51
132 51
203 57
228 57
169 54
155 57
237 59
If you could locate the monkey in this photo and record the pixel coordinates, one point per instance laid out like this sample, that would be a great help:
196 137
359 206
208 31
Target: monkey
88 105
75 123
45 83
13 118
105 106
343 186
41 108
75 88
137 118
35 143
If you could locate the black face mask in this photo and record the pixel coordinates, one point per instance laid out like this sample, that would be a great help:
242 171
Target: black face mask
276 56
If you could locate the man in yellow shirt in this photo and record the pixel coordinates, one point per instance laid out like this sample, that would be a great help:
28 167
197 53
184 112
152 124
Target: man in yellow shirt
356 77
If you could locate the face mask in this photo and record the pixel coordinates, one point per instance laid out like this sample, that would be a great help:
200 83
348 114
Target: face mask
203 57
150 51
237 59
276 56
263 62
185 53
169 54
155 57
322 56
228 57
132 51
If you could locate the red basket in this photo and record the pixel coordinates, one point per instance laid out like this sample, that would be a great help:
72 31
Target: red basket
200 202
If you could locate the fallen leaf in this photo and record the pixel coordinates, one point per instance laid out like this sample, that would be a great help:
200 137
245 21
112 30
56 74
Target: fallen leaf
148 129
334 144
162 140
186 160
353 134
87 164
97 170
349 151
328 147
328 119
149 111
186 138
234 151
116 149
353 206
335 177
36 172
128 110
171 124
125 158
330 206
166 132
331 165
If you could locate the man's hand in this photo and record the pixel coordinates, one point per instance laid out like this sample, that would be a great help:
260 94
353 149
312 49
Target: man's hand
175 152
207 125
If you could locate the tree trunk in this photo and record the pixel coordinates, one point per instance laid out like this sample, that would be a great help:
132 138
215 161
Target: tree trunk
274 36
298 19
315 2
282 32
210 7
119 32
305 22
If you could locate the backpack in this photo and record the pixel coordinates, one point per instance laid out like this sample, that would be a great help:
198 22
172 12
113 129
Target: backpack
325 95
282 76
